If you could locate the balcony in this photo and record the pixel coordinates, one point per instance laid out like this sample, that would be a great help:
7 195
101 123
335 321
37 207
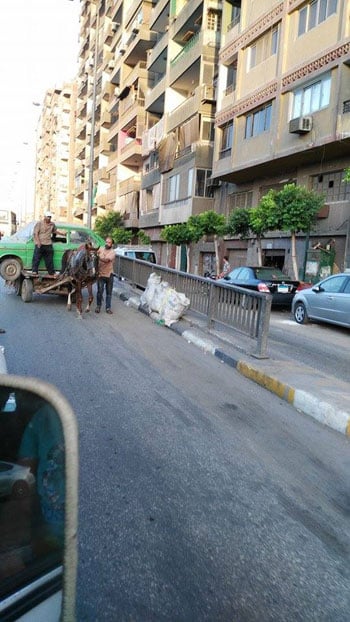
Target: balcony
158 49
130 154
191 106
106 119
184 16
132 184
157 91
156 14
205 42
152 137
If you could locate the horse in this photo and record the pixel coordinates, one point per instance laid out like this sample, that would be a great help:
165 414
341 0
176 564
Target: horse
81 265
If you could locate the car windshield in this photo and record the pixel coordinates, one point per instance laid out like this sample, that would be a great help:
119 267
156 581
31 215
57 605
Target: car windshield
270 274
23 234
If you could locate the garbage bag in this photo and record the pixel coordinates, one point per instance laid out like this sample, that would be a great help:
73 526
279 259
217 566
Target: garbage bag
173 306
148 295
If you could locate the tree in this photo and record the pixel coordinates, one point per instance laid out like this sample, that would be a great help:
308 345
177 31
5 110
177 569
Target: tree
104 225
210 223
263 218
347 174
121 236
238 223
181 233
254 221
296 210
142 237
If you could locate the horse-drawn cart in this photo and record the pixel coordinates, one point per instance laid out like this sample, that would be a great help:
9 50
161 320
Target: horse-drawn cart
27 284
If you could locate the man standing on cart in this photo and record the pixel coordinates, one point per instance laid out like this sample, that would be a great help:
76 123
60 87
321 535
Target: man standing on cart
43 232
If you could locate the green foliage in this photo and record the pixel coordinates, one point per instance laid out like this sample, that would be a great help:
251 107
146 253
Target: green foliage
208 223
181 233
257 221
268 212
104 225
121 236
143 238
238 223
297 208
347 174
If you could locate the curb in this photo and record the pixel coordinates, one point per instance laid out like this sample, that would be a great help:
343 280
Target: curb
3 366
303 401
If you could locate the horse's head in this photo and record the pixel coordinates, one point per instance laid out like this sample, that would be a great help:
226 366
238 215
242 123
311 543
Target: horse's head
91 261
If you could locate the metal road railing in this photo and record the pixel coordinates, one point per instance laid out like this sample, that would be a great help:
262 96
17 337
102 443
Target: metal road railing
244 310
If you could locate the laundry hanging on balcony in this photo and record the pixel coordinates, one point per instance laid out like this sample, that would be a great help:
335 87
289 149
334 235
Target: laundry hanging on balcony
166 151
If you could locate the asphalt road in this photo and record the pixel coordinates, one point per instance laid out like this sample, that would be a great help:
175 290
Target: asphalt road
322 346
202 496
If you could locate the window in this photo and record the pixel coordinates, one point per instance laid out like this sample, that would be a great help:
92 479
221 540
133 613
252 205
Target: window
202 189
231 78
258 121
190 182
173 187
79 237
312 97
264 47
240 200
334 285
332 186
207 130
314 13
226 139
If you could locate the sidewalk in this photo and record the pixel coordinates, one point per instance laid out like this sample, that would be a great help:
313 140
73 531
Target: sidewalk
311 392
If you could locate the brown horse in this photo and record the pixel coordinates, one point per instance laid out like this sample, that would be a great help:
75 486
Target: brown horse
81 265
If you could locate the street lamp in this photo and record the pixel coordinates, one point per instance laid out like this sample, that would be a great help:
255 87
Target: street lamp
93 113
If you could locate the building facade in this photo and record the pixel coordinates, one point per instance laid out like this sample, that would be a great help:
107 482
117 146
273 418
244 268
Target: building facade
55 154
184 107
284 117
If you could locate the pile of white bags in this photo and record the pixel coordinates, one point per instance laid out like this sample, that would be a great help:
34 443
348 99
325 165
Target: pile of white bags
163 300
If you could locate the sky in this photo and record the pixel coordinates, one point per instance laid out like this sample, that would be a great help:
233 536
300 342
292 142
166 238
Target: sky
39 43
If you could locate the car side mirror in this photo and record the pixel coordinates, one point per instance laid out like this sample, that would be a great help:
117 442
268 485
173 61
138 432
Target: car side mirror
317 289
38 501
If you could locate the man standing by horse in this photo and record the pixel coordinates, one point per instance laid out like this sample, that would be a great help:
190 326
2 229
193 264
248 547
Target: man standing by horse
106 257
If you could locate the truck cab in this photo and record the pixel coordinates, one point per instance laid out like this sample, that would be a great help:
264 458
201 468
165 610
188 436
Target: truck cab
144 253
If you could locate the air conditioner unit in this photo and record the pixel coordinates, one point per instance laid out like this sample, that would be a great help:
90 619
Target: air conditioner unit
115 26
214 183
122 49
111 64
300 125
135 27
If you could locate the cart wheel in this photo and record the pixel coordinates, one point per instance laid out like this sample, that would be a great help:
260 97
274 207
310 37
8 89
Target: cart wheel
27 290
18 286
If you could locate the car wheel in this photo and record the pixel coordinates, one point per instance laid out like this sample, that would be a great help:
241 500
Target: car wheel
27 290
300 314
19 489
10 269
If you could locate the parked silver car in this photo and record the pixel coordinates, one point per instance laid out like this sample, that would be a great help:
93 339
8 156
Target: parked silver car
15 480
327 301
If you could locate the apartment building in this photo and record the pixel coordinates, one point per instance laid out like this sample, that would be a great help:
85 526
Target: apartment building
132 40
54 169
180 104
187 106
93 119
283 115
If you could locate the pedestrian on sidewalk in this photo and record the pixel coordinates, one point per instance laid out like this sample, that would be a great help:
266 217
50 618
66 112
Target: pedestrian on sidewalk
43 232
106 257
226 267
